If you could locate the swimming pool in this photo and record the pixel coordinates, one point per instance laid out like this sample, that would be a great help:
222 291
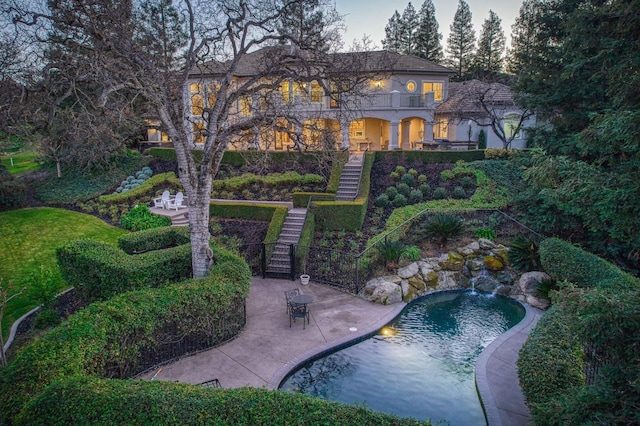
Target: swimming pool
420 365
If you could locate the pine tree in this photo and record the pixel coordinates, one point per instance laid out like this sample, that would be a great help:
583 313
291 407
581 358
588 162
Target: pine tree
408 29
489 56
427 36
524 36
462 39
393 41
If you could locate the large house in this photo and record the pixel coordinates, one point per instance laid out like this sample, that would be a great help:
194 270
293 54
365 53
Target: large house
405 103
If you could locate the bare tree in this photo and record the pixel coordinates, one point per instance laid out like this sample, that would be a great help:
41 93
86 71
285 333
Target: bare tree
189 59
488 105
4 299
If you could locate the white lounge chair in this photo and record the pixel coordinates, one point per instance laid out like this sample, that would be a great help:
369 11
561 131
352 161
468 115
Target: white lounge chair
161 202
176 203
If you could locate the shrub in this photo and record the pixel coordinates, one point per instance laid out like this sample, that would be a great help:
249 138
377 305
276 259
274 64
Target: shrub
447 175
408 179
400 201
415 196
394 176
403 189
47 318
440 193
564 261
425 189
154 239
412 253
140 218
382 201
466 182
524 254
391 251
413 172
401 170
391 192
422 179
482 139
442 227
486 233
459 193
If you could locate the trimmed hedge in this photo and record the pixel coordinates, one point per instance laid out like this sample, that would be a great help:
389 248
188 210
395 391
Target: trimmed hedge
154 239
551 360
347 215
276 224
564 261
99 271
108 339
252 211
106 402
430 157
301 199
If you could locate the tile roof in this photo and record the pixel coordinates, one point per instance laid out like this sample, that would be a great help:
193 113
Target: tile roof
372 61
464 97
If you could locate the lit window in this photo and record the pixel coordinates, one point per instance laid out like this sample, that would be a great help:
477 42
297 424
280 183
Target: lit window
245 105
300 90
198 132
356 129
285 88
510 125
411 86
441 129
316 92
436 88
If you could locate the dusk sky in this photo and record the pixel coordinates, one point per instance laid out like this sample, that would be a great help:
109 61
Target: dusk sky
371 16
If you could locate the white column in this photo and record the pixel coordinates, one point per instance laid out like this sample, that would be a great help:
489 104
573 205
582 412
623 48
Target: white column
393 135
344 127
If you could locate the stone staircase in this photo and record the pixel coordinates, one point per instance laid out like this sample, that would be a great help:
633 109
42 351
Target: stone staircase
280 263
350 178
178 218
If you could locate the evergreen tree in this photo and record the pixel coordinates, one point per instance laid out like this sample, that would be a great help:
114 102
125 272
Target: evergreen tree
462 39
408 30
489 57
427 37
524 36
393 40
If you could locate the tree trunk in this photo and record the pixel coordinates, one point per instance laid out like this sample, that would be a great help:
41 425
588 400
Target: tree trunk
201 254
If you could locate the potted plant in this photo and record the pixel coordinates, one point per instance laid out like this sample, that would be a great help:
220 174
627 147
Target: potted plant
304 279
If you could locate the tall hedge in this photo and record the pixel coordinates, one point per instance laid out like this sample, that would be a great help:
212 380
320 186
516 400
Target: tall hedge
99 271
108 339
154 239
105 402
564 261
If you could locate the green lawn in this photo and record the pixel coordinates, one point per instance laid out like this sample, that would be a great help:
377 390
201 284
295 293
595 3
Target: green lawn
22 162
29 238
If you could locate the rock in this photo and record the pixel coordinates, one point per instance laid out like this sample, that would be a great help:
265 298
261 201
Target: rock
452 261
507 276
493 263
526 289
469 249
409 270
387 293
475 265
447 280
486 283
486 244
501 253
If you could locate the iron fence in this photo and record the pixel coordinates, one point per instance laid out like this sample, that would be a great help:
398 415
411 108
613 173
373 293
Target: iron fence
175 340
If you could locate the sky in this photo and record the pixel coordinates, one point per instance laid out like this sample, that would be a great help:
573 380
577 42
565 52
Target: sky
371 16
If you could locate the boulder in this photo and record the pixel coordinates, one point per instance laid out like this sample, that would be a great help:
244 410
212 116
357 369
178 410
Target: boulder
526 289
409 270
469 249
486 244
384 290
493 263
452 261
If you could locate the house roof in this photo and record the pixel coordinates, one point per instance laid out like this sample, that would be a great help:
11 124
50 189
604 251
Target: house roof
465 97
373 61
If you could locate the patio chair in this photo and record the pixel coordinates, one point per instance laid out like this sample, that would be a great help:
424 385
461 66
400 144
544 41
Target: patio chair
288 294
176 203
299 311
161 202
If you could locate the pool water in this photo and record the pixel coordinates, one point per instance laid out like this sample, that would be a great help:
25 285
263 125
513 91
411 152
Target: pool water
421 365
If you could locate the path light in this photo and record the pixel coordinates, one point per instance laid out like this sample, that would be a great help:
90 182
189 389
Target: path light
388 331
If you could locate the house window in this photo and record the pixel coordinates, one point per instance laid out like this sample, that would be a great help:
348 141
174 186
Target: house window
356 129
441 129
510 125
285 89
245 105
411 86
198 132
198 94
300 90
431 86
316 92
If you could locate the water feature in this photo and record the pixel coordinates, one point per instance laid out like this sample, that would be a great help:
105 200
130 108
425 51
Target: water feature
420 365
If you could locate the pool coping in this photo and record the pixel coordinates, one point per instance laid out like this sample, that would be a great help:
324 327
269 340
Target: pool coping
495 408
286 369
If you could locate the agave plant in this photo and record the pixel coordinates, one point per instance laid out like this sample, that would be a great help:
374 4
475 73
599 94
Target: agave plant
442 227
524 255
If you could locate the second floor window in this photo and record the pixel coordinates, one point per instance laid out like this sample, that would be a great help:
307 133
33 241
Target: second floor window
435 87
202 96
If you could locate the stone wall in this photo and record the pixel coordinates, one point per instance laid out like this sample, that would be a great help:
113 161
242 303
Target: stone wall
481 265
